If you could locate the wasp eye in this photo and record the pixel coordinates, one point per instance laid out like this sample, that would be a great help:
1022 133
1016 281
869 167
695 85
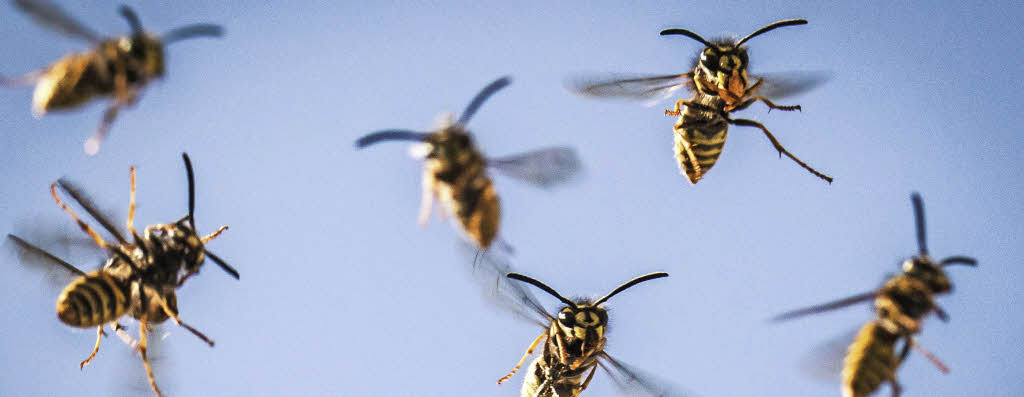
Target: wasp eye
709 59
566 318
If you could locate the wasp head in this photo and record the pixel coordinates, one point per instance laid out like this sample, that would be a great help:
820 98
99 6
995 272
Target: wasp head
176 246
449 143
927 271
722 67
583 322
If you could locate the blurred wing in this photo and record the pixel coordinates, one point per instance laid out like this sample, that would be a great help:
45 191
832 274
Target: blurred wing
91 208
134 381
59 272
630 87
837 304
825 361
489 270
51 16
634 382
544 167
782 85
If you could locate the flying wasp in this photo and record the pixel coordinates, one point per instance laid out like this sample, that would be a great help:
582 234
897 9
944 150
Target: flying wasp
140 277
900 306
118 67
455 170
720 85
573 344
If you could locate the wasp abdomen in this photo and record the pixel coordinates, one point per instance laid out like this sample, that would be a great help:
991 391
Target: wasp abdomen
564 383
71 81
870 361
92 300
695 145
476 206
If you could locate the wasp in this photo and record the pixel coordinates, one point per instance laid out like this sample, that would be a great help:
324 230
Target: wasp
140 277
573 344
900 306
720 86
455 170
118 67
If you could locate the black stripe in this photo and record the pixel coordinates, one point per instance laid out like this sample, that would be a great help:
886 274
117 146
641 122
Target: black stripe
93 299
81 308
104 283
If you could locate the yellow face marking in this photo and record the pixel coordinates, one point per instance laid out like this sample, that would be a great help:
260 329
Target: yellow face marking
587 319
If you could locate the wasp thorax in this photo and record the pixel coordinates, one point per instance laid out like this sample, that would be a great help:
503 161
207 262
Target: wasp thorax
583 322
922 268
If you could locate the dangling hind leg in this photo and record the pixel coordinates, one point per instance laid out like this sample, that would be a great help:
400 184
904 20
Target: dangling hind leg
143 325
131 203
174 316
427 200
99 337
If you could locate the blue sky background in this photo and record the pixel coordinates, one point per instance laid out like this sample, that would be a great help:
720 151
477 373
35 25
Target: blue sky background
342 294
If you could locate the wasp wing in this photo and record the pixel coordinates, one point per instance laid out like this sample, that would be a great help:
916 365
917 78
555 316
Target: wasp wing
635 382
824 362
489 271
91 208
836 304
50 15
544 167
786 84
654 89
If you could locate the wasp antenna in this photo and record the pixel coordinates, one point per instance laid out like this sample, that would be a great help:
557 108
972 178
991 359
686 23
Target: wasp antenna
631 283
687 33
959 260
193 31
922 245
482 96
544 287
191 190
770 27
389 135
133 19
223 265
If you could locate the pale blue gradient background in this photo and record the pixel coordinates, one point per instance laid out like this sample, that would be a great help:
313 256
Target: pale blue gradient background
343 295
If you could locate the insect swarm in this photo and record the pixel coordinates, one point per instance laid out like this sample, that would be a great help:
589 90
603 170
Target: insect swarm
455 170
900 305
140 277
573 344
720 85
118 67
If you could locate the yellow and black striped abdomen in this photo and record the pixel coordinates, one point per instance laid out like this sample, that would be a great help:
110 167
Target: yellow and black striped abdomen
93 299
698 145
870 361
476 205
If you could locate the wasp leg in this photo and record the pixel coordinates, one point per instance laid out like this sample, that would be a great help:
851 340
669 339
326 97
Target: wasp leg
174 316
127 339
677 109
778 146
81 224
427 201
896 388
92 145
529 351
752 89
143 325
772 105
131 203
214 235
927 354
99 337
587 382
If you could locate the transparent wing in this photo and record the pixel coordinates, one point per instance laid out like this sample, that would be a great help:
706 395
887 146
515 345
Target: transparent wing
785 84
35 256
134 381
76 193
630 87
824 362
544 167
489 271
50 15
634 382
836 304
